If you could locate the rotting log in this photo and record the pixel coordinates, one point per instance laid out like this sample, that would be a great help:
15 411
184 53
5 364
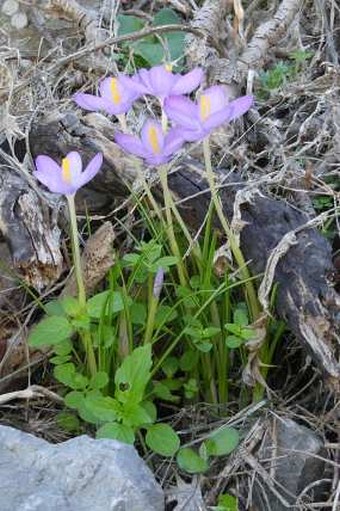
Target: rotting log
306 297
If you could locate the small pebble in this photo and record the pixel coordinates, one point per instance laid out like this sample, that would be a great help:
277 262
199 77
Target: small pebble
19 20
10 7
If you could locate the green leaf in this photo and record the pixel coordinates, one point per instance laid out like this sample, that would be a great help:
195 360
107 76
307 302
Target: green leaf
133 375
50 331
68 422
174 40
165 262
164 315
129 24
117 432
162 391
210 331
166 16
222 441
153 53
227 502
74 399
135 415
67 375
138 313
60 359
233 342
54 308
131 259
63 348
104 409
98 305
190 461
241 316
188 360
150 409
71 306
99 380
170 366
191 388
162 439
247 334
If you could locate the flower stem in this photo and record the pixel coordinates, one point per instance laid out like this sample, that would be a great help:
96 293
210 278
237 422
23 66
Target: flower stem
251 294
85 334
76 251
163 174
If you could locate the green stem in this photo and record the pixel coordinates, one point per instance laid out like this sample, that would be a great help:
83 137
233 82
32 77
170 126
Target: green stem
163 174
251 294
85 334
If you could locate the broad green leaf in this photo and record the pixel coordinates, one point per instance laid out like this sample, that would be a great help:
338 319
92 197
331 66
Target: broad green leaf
166 16
233 342
204 346
99 380
135 415
164 315
241 316
67 374
170 366
153 53
71 306
63 348
188 360
222 441
98 304
165 262
117 432
227 502
133 375
60 359
233 328
54 308
162 391
150 409
247 334
162 439
210 331
131 259
128 24
104 409
68 422
173 40
50 330
74 399
190 461
138 313
191 388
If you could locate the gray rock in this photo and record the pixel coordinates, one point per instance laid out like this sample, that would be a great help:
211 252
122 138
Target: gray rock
81 474
288 456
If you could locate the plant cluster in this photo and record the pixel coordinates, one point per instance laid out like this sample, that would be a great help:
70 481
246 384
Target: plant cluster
167 327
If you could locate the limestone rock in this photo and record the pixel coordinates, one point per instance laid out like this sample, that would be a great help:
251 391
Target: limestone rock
81 474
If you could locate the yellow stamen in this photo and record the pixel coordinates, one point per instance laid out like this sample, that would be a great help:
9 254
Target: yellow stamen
153 139
205 107
168 67
115 93
66 170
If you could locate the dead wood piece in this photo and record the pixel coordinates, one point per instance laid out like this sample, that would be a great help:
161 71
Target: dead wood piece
31 233
97 259
235 70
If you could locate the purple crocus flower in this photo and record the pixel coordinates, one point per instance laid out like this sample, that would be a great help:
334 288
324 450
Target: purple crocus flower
68 177
153 145
197 120
161 82
158 283
116 95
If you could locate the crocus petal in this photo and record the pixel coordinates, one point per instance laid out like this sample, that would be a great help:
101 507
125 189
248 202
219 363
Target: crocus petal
152 137
234 110
187 83
151 159
49 174
240 106
88 101
217 98
161 81
75 163
91 170
173 141
133 84
182 110
130 144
